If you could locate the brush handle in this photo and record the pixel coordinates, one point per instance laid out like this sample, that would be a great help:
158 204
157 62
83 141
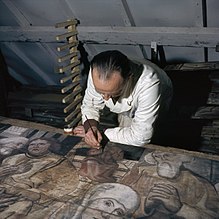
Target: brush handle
95 135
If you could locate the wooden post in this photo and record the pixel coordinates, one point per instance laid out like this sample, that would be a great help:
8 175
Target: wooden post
71 69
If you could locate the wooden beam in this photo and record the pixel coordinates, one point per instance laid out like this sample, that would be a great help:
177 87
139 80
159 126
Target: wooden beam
29 62
72 95
20 18
74 72
129 21
66 23
167 36
67 46
70 66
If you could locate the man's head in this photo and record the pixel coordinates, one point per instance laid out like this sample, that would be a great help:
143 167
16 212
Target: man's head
168 163
8 145
110 70
108 200
42 146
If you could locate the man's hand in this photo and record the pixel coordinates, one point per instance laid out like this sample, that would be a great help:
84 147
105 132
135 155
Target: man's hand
13 169
164 194
93 137
79 131
6 199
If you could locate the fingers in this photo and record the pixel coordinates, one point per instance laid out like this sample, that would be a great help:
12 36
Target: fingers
165 194
99 137
79 131
162 192
93 138
94 151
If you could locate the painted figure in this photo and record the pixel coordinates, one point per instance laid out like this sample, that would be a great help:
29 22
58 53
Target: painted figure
18 169
11 146
100 168
40 176
170 190
108 200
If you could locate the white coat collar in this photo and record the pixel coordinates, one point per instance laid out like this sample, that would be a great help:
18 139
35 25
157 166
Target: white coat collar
125 104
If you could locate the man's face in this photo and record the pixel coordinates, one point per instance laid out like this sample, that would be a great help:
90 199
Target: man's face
7 148
108 88
38 147
168 164
104 208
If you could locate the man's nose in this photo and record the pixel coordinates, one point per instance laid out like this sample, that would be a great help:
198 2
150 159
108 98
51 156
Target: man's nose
159 157
35 145
106 96
105 215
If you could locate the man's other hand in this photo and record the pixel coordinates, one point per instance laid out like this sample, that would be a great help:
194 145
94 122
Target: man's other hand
79 131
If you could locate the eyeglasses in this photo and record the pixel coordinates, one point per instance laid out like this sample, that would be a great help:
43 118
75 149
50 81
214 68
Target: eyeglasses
111 95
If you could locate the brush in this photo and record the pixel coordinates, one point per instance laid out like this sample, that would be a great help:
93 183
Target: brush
95 134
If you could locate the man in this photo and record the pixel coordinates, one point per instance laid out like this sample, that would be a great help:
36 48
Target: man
138 93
